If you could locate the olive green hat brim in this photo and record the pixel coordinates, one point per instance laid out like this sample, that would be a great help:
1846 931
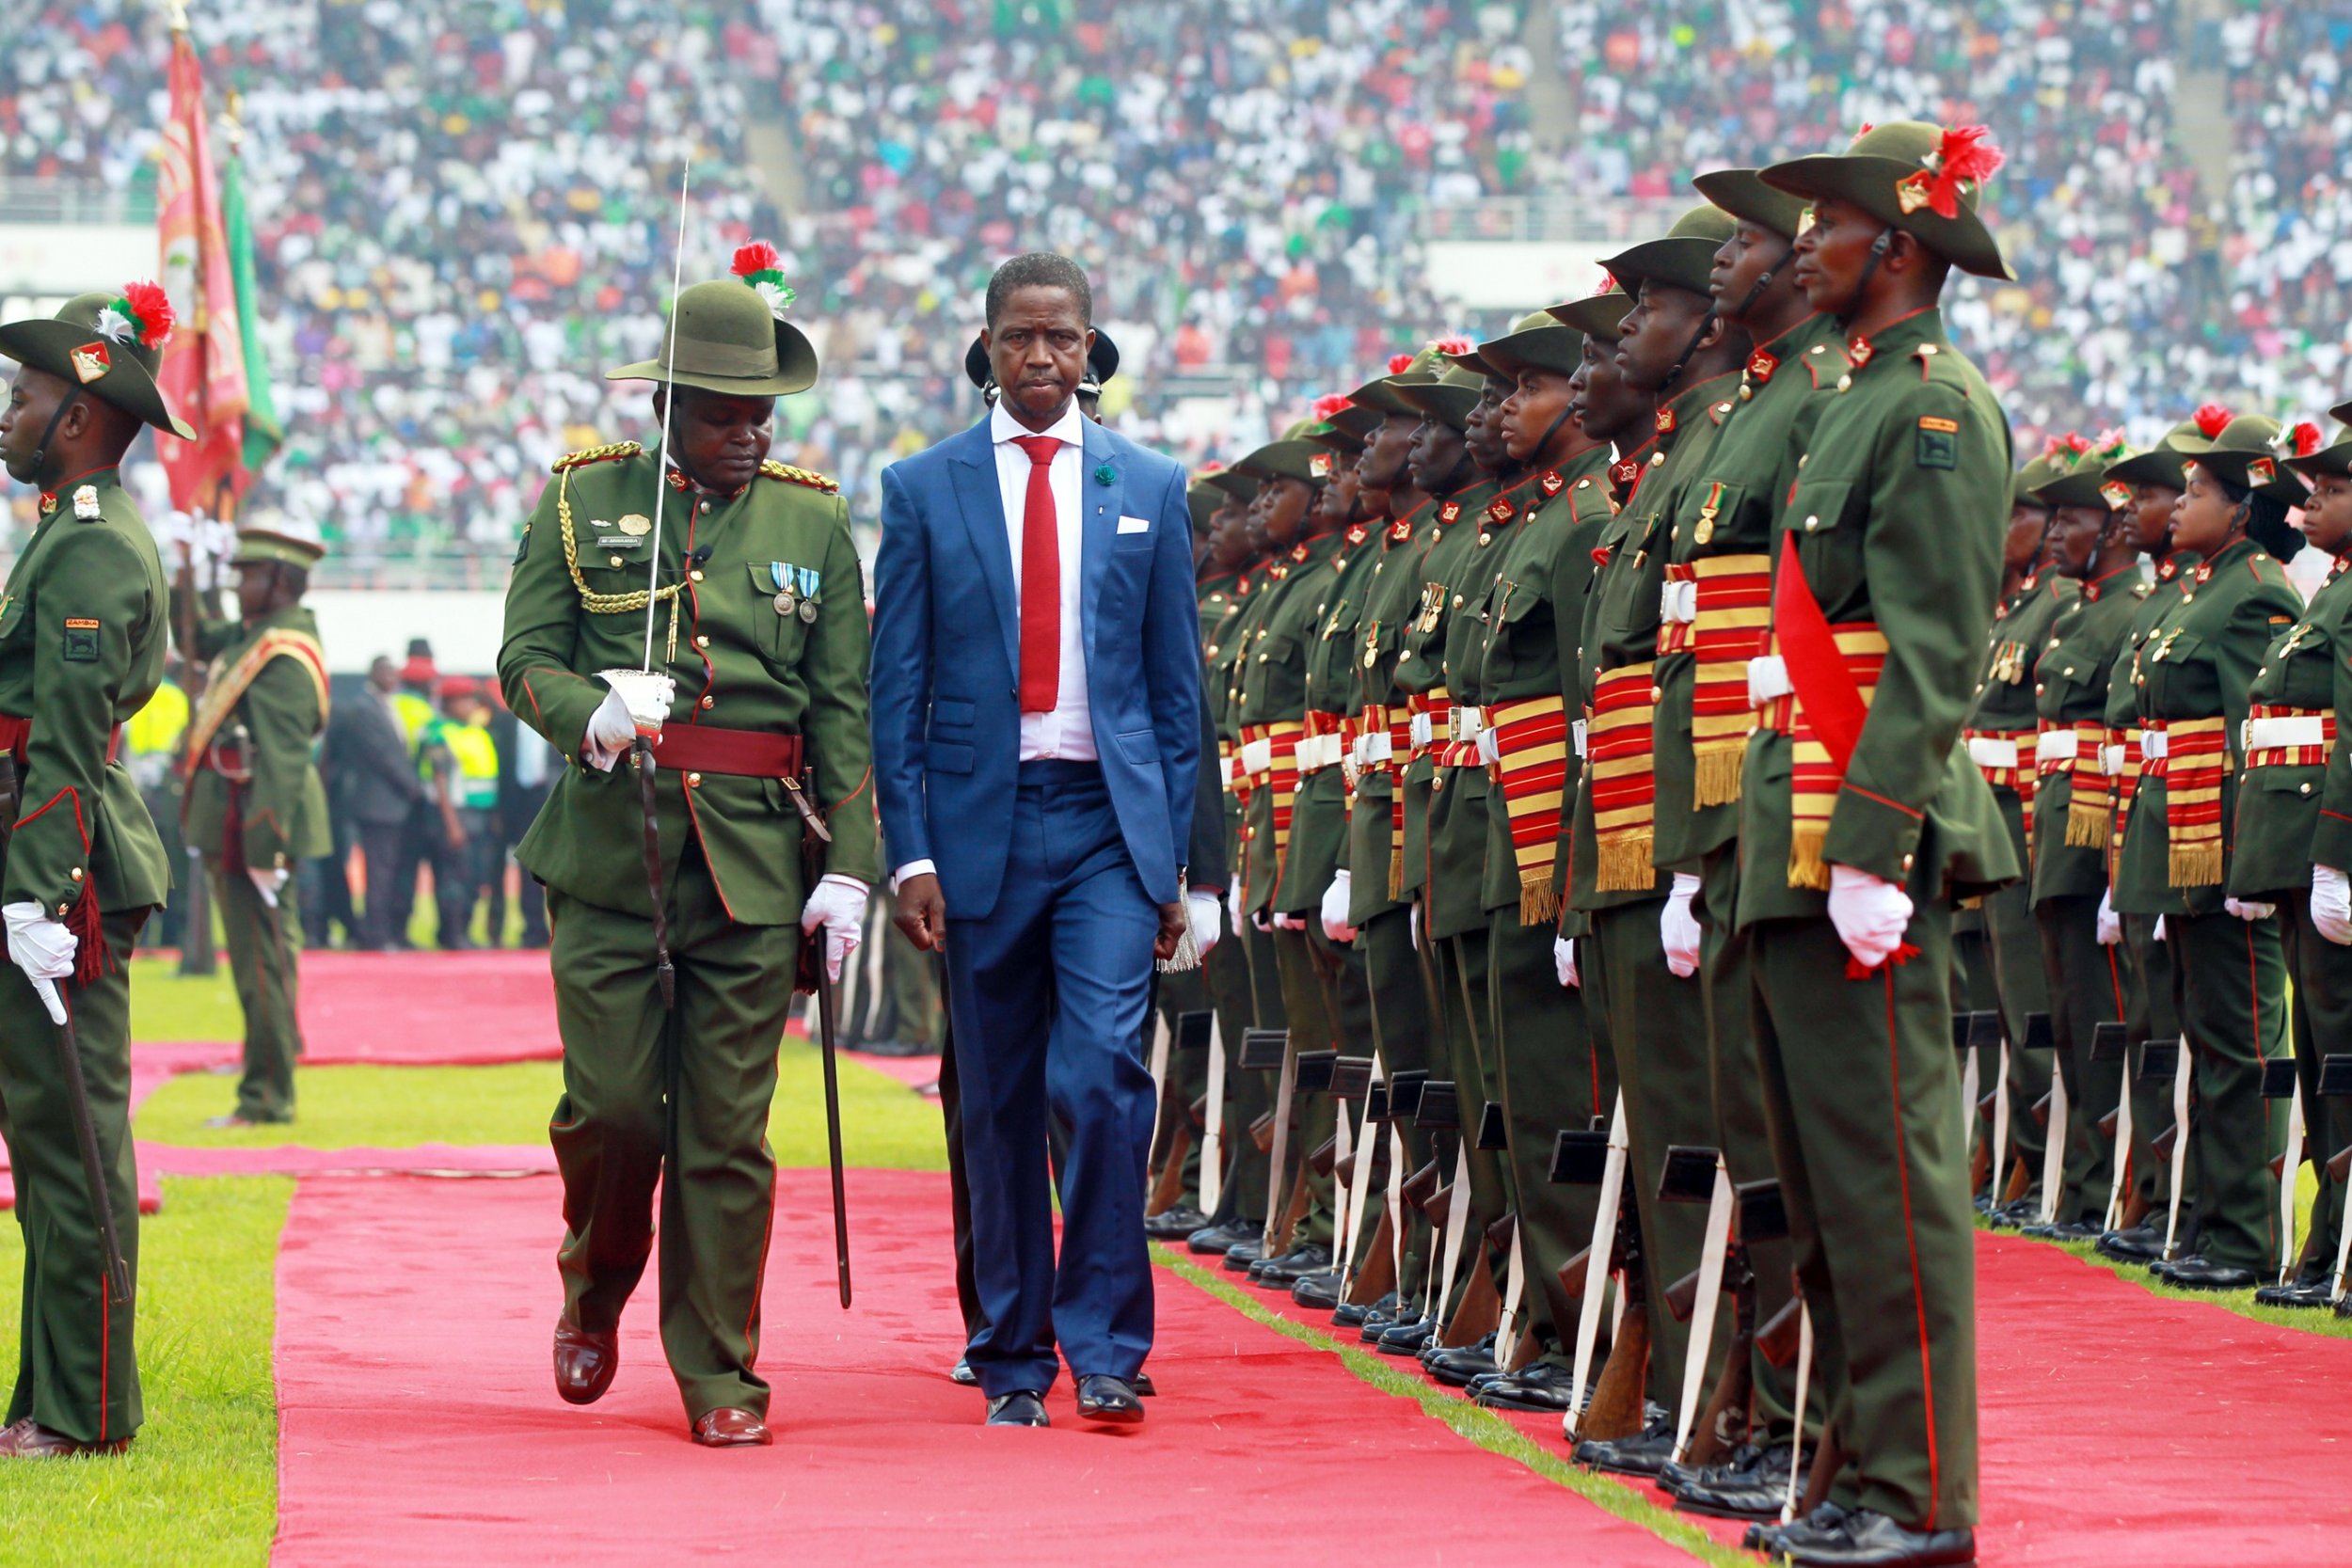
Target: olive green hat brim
1202 499
2231 464
2341 413
1680 263
255 547
1549 347
1871 183
1358 422
49 345
2336 459
1595 315
1235 482
1289 459
2159 465
2075 489
1387 395
1446 403
707 366
1743 194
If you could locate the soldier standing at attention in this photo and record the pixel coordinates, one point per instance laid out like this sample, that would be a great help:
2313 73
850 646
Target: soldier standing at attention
255 804
760 618
1862 820
82 634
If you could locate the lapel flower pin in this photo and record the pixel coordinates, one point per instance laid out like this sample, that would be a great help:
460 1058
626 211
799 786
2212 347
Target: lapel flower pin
1106 475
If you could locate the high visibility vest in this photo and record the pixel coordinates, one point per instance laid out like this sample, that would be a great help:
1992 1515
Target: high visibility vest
158 726
414 714
475 753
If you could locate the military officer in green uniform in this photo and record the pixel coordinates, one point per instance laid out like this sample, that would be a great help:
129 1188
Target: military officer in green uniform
255 805
1718 587
1862 820
759 626
82 634
2090 546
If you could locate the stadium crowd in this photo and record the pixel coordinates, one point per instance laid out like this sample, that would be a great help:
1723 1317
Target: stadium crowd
464 208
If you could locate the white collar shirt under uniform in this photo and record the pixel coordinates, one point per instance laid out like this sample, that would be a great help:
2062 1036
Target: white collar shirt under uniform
1066 733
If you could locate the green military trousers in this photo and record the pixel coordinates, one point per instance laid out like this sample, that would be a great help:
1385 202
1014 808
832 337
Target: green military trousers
78 1370
1862 1097
2233 1005
2012 941
680 1098
1402 1029
1472 1066
1249 1095
265 954
2085 987
2323 1026
1225 974
1657 1031
1554 1077
1313 1117
2152 1011
1184 991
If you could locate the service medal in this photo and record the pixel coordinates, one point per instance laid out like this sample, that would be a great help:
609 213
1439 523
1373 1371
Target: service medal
635 524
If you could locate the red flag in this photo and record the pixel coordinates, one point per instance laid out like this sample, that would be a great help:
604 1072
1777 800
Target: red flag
203 368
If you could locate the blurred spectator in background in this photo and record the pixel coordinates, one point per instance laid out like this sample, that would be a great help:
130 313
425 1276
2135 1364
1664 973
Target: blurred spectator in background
151 740
413 705
526 770
458 763
371 789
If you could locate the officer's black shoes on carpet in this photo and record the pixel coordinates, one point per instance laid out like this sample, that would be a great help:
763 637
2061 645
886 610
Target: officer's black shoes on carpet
1215 1239
2011 1216
2344 1307
2064 1230
1459 1369
584 1363
1379 1323
1355 1314
1020 1408
1405 1339
1111 1401
1751 1485
29 1439
1317 1291
1283 1272
1538 1385
1766 1538
1643 1454
728 1428
1144 1384
1863 1539
2199 1274
1174 1225
2142 1243
961 1373
2307 1292
1242 1254
897 1048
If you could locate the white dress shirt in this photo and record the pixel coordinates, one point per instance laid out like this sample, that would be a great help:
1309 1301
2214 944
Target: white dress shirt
1066 733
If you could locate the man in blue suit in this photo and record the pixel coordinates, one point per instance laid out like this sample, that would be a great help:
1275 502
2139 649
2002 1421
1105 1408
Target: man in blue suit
1036 737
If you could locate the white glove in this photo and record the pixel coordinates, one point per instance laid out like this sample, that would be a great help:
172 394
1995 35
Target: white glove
2331 905
1415 926
2158 934
43 949
1289 922
1232 903
838 904
610 729
1258 923
1204 911
1335 900
266 883
1870 914
2247 910
2110 924
1678 928
1564 962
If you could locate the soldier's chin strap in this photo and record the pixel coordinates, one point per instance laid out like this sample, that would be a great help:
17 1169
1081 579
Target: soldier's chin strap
1543 443
1879 247
1764 282
49 431
1682 360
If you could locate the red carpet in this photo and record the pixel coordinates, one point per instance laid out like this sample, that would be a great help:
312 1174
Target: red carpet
419 1426
150 1066
424 1009
2120 1427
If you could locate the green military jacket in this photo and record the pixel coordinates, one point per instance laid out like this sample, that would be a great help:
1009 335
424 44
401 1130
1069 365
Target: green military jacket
2202 666
1215 595
1726 508
281 808
1420 669
575 605
1274 688
83 632
2022 629
1531 626
2071 683
2294 805
1238 633
1390 601
1624 608
2148 622
1902 498
1318 844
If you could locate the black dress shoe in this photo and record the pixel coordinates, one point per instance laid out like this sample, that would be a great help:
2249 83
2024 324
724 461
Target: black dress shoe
1023 1407
2309 1292
1863 1539
584 1363
1109 1400
1319 1292
2198 1273
1212 1241
2138 1244
1643 1454
1350 1314
1379 1323
1754 1491
1405 1338
1457 1369
1672 1476
1283 1272
1431 1350
1242 1254
1169 1225
1539 1386
1769 1538
1144 1384
962 1372
2010 1216
2064 1230
2344 1307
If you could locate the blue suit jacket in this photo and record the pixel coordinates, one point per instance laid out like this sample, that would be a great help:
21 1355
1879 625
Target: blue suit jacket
946 662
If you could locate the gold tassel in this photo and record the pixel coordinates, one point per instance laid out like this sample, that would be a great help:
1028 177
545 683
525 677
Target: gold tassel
1539 901
1396 873
1716 781
2197 866
1625 865
1974 901
2086 823
1806 868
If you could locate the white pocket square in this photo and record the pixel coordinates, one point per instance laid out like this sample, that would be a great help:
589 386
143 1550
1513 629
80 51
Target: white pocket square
1134 525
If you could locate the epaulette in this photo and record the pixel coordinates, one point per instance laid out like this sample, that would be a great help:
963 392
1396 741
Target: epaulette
610 452
800 476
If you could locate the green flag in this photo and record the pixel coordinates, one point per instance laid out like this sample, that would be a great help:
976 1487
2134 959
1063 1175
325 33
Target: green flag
263 433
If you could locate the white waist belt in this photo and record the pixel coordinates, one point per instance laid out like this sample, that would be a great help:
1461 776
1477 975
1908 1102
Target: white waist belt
1376 746
1489 746
2111 760
1987 751
2153 744
1678 602
2055 745
1318 751
1768 679
1257 756
1224 772
1467 721
1420 729
2302 730
1575 728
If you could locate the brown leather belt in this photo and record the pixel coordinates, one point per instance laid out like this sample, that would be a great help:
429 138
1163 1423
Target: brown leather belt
15 732
748 753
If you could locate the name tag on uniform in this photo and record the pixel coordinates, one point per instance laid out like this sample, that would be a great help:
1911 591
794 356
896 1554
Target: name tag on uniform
1134 525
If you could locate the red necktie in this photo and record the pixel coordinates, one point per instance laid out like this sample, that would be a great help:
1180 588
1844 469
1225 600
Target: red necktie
1040 580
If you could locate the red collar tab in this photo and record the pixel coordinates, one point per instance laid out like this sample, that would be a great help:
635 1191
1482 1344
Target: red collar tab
1761 364
1552 482
1502 511
1623 474
1664 421
2205 573
1858 349
1450 510
1298 553
2337 570
2167 570
48 503
1357 533
2031 582
1400 531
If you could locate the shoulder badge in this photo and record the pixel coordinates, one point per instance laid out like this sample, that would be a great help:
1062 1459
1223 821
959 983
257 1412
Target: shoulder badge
86 507
610 452
1939 442
800 476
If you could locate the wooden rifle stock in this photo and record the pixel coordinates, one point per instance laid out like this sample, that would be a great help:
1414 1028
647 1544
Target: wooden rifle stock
1728 1416
1376 1276
2020 1182
1779 1335
1572 1273
1618 1403
1682 1296
2041 1111
2107 1125
1171 1186
1420 1185
1293 1210
1323 1156
2161 1145
1262 1132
